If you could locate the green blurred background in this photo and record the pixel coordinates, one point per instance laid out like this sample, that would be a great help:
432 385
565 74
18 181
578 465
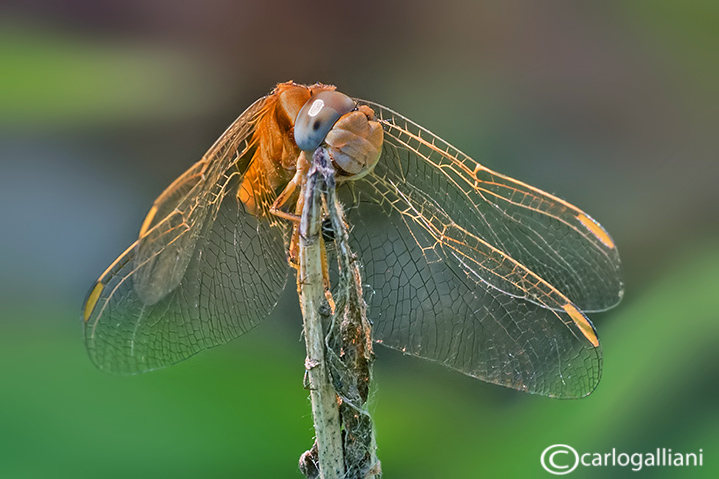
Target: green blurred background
612 105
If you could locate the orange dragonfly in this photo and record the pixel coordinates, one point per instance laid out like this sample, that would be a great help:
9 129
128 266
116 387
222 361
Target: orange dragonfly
467 267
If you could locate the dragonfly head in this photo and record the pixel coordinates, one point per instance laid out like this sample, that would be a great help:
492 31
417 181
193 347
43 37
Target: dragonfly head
351 133
317 117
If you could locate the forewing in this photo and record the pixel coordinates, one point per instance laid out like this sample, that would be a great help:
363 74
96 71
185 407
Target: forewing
459 279
554 239
203 271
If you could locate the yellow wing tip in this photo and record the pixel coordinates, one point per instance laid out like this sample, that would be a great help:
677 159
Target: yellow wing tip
92 300
596 229
582 323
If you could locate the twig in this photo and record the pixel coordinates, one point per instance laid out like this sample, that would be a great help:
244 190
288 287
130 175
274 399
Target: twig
340 352
329 457
349 352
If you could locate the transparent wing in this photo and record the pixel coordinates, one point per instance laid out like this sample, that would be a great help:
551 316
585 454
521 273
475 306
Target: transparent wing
555 239
476 270
203 271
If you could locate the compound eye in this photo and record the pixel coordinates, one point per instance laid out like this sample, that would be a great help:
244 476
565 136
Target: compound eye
318 116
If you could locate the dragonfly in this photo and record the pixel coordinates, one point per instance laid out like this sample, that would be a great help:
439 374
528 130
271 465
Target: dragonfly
466 267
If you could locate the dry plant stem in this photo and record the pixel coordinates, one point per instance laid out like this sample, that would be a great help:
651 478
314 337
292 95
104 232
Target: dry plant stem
330 458
349 352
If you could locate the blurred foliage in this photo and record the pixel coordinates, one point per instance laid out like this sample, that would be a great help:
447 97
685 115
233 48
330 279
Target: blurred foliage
53 78
685 33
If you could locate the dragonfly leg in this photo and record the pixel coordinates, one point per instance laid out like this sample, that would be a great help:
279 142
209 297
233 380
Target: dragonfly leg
284 198
289 192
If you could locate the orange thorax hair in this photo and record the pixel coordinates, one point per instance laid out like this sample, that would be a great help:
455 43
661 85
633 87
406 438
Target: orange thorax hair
275 159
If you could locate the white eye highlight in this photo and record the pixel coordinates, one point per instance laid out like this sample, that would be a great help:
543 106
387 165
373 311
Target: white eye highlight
318 116
317 105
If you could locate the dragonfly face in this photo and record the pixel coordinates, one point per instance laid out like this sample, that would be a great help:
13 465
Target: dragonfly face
469 268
